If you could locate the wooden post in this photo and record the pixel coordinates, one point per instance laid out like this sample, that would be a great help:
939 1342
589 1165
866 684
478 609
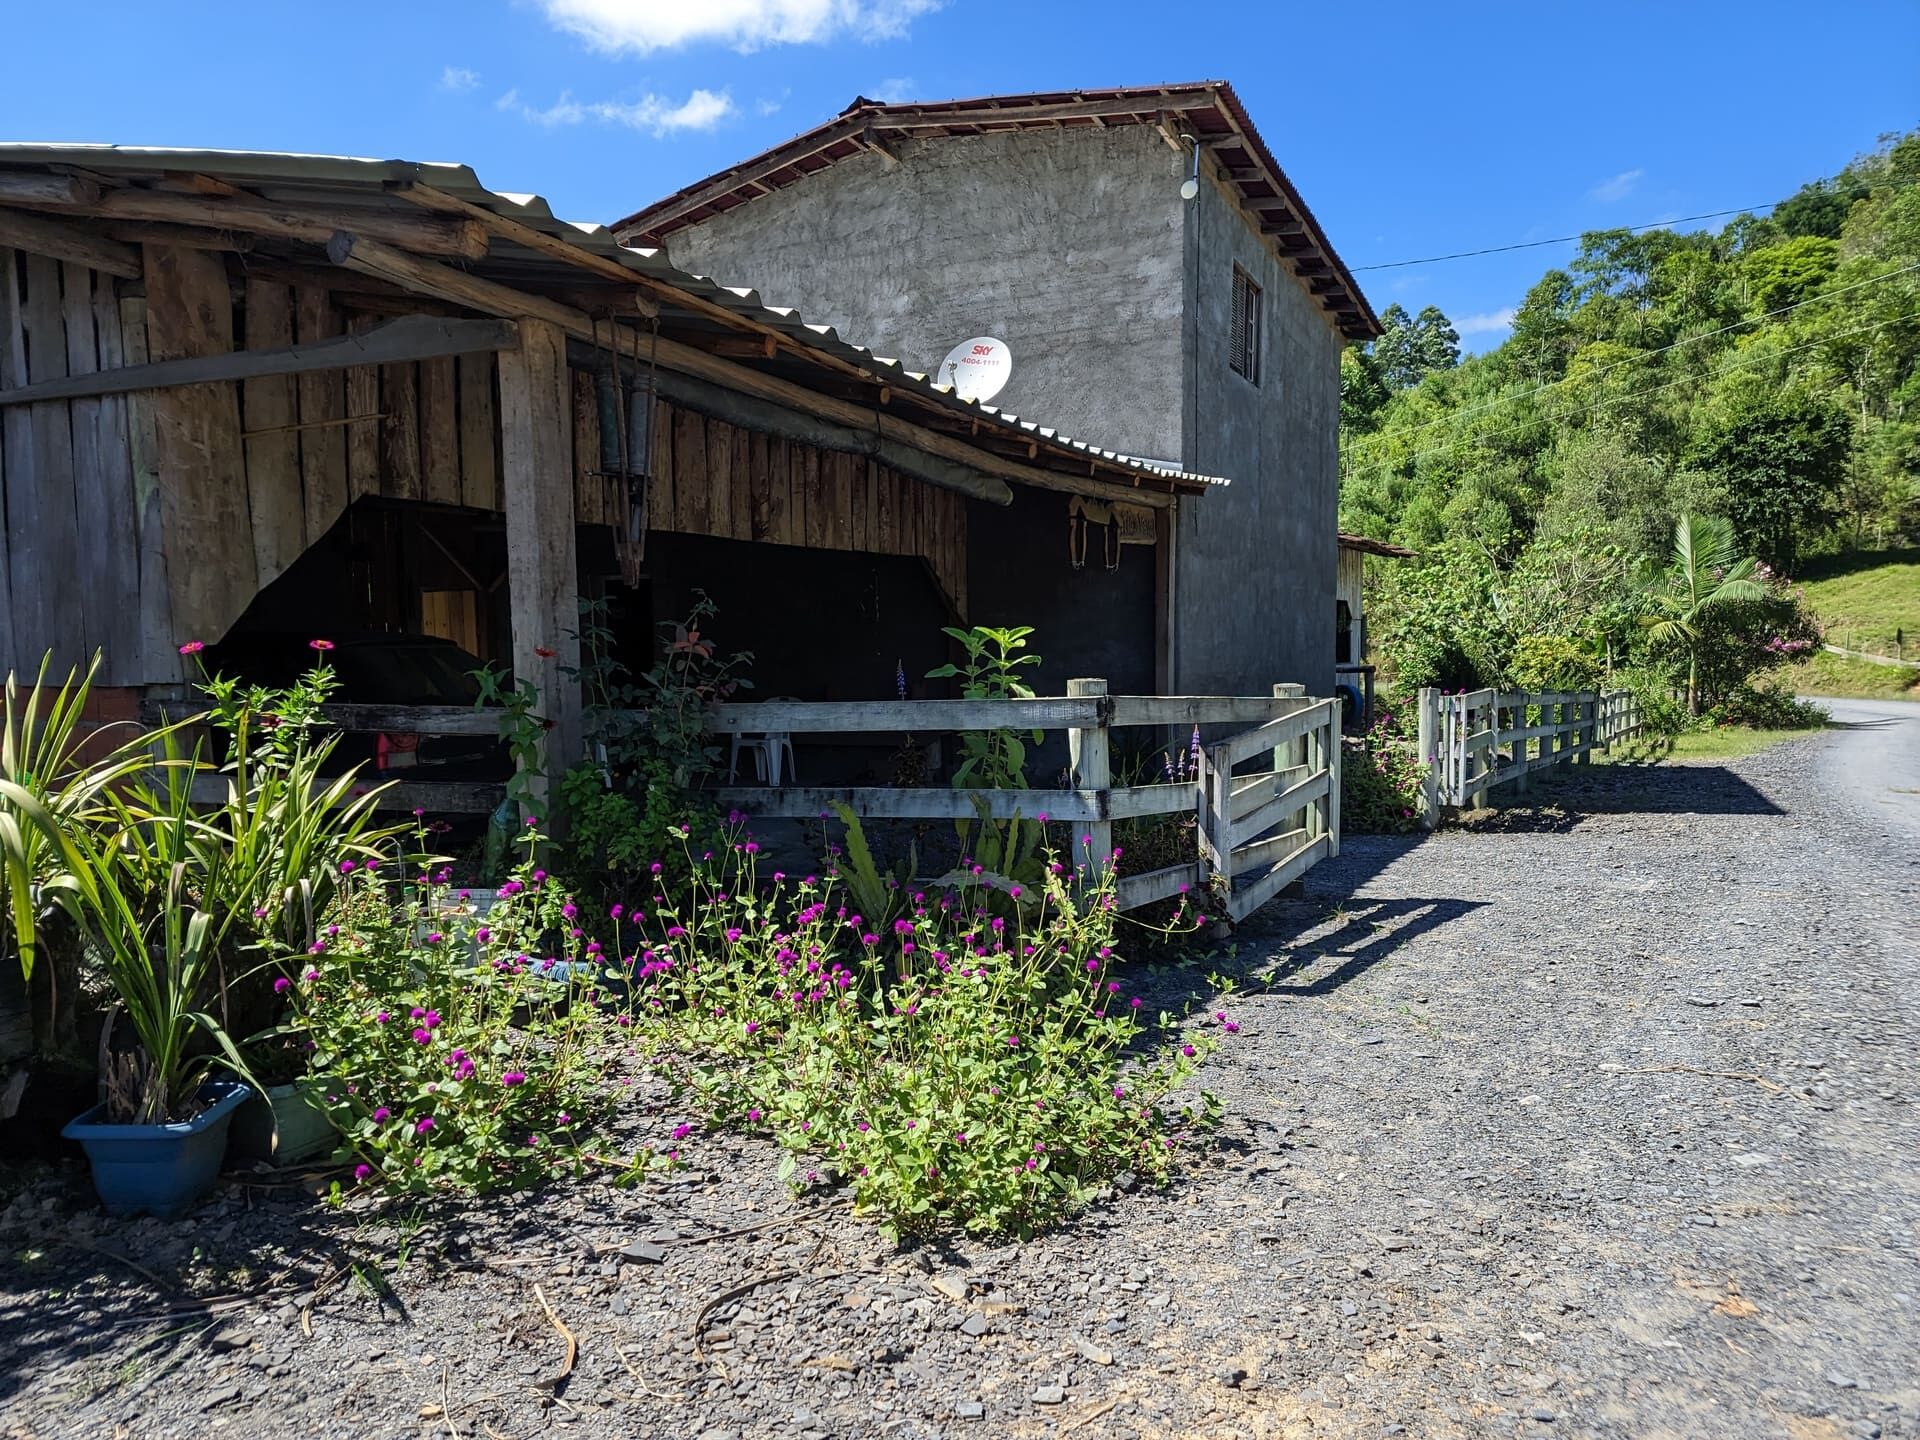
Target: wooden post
1430 757
1334 762
1090 756
536 433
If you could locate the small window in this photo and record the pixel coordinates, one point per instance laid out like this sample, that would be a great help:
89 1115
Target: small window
1243 338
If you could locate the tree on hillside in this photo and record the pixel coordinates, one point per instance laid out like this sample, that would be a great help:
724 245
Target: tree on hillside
1411 347
1785 274
1783 456
1706 572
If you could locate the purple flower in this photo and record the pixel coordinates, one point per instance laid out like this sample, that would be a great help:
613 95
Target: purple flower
1187 1050
423 1125
346 867
512 1078
362 1171
282 985
422 1037
381 1115
680 1132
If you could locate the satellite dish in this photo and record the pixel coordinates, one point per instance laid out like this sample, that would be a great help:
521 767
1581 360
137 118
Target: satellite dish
977 368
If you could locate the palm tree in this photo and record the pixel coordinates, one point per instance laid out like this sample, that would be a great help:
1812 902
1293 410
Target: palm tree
1706 572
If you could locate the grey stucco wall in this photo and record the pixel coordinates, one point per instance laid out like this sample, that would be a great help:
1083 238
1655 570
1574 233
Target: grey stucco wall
1254 581
1065 245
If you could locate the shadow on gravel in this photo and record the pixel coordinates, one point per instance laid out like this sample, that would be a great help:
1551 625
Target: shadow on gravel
1325 949
1561 803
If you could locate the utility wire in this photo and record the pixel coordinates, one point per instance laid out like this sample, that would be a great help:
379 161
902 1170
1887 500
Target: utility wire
1889 183
1555 418
1638 356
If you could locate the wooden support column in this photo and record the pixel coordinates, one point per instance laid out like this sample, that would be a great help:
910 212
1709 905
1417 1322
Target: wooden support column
1089 755
536 433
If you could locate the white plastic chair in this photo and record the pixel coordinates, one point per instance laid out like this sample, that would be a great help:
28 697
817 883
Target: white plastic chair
768 749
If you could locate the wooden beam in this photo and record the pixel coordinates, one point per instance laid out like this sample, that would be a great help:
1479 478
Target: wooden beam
191 237
409 338
371 256
452 237
38 187
536 432
769 418
528 237
63 240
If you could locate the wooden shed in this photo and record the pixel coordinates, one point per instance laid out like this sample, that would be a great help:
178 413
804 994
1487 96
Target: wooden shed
377 396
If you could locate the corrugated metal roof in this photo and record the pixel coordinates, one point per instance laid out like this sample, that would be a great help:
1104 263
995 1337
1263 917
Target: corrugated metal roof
369 183
1207 109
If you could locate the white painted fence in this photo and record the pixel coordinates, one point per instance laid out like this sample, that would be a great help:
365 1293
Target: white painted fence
1480 739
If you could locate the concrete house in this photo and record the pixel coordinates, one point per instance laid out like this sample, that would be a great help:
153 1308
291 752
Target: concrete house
1161 285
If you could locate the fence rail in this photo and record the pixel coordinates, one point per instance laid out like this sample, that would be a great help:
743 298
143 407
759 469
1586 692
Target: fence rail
1256 832
1265 803
1477 740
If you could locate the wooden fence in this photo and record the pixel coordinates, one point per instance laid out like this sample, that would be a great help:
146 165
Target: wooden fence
1480 739
1266 801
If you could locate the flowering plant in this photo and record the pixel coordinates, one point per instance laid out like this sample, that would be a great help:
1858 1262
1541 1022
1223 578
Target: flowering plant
1382 777
451 1045
955 1066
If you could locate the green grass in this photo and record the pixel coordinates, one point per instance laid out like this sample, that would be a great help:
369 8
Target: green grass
1728 742
1825 674
1864 600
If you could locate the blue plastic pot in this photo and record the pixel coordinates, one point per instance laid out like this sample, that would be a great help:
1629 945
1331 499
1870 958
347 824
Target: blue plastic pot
162 1169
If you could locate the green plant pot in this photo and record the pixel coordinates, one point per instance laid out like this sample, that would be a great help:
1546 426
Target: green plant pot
283 1128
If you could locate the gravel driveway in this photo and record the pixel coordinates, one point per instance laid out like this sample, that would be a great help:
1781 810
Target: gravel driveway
1598 1119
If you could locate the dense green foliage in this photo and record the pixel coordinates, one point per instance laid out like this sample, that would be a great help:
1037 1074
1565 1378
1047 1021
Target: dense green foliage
1767 374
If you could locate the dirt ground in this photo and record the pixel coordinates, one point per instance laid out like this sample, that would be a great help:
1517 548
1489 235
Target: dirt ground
1597 1118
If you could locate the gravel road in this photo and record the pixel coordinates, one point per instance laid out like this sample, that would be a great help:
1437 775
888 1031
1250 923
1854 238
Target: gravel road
1597 1118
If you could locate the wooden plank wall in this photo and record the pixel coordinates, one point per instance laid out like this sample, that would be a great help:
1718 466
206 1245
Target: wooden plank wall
713 478
73 541
133 523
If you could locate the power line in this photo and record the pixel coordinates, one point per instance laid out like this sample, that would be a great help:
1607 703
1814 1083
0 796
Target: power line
1407 460
1885 183
1637 357
1559 239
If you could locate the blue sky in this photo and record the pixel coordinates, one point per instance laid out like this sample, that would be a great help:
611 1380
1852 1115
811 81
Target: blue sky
1412 129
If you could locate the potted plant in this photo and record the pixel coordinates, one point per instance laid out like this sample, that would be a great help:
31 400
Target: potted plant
155 1143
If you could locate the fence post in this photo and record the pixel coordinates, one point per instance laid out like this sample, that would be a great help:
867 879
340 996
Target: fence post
1091 759
1335 759
1430 757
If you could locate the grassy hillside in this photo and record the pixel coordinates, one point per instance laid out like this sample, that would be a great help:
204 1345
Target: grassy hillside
1864 601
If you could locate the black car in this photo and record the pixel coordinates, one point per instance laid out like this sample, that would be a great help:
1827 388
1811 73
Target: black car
380 669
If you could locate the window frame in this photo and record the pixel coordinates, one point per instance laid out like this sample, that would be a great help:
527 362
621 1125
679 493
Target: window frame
1245 327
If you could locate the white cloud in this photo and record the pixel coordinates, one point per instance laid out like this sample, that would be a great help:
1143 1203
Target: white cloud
644 26
702 110
458 77
894 91
1616 187
770 104
1490 323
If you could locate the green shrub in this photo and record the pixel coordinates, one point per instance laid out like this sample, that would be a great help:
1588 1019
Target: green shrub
452 1049
958 1067
1767 707
1382 777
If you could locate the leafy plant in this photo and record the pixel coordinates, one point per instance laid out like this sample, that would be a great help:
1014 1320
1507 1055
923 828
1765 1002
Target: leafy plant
451 1048
880 894
523 729
955 1068
991 759
1706 573
53 775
